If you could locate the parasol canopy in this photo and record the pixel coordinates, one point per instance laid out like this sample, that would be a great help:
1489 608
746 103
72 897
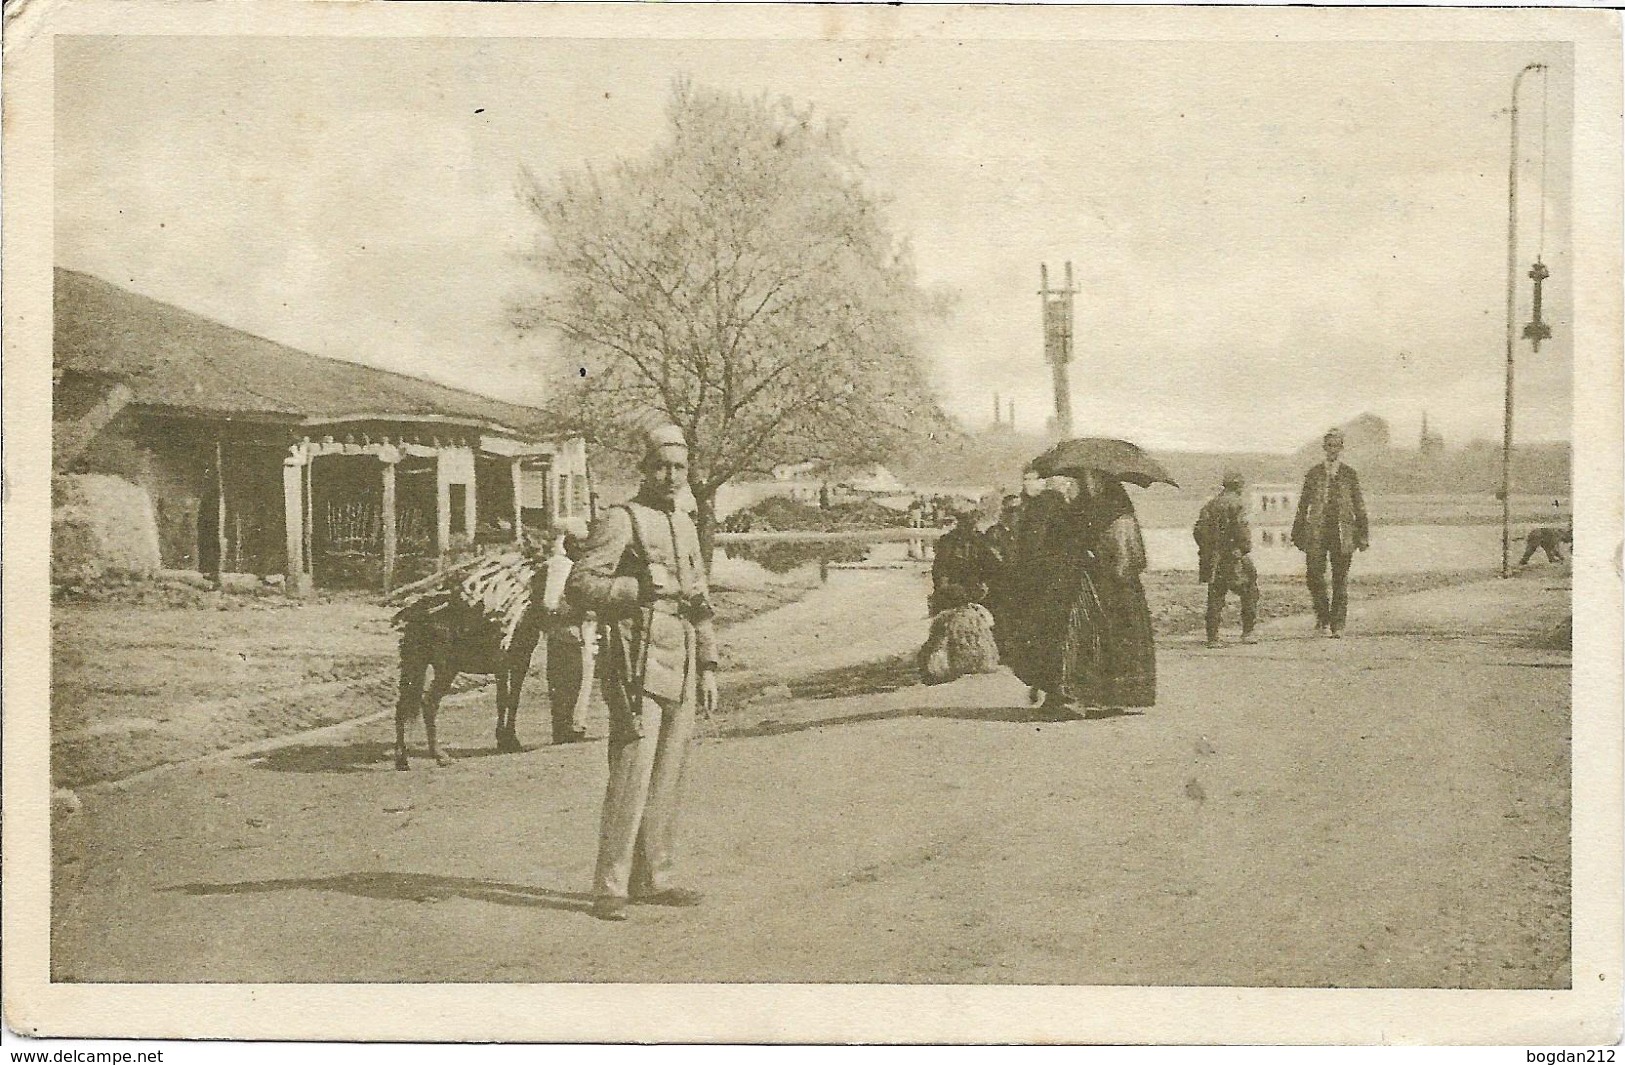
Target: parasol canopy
1114 458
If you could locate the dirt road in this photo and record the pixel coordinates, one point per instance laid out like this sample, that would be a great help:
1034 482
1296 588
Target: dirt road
1386 810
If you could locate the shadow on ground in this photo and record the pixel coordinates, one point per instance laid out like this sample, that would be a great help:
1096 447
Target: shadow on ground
871 678
406 887
356 757
1012 714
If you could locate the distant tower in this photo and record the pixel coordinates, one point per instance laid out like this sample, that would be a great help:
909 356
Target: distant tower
995 410
1432 444
1011 421
1057 307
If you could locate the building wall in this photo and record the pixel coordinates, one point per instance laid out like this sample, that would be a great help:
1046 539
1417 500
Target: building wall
556 487
176 471
439 494
101 523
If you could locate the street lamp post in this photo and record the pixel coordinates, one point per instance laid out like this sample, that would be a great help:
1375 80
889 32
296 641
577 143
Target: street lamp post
1512 281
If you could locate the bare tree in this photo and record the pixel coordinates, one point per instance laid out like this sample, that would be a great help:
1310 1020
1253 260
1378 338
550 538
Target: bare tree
740 280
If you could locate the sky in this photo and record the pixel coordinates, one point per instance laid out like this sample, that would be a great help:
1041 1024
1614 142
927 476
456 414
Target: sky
1268 238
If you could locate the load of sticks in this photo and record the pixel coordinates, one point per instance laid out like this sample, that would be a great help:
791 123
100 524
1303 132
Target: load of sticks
493 589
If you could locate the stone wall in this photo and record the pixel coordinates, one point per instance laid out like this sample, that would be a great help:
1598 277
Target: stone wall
101 524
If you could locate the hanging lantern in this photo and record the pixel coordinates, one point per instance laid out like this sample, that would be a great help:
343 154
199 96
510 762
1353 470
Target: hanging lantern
1537 330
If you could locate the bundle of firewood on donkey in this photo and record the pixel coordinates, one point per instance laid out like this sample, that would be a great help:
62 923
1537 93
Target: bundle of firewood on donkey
491 594
484 616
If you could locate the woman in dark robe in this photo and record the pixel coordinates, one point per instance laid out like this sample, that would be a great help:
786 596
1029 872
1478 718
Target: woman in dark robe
1041 584
1077 627
1110 657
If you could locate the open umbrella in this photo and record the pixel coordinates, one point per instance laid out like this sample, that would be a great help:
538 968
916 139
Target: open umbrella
1114 458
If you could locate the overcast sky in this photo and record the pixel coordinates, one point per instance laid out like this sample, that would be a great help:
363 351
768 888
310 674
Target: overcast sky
1269 238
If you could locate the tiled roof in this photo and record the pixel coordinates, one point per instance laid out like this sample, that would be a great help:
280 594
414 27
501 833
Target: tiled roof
170 357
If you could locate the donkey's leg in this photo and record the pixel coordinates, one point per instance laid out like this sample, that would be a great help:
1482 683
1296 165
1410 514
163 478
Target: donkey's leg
414 666
504 721
517 668
444 674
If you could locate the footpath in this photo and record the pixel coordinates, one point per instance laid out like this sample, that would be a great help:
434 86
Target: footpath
1387 810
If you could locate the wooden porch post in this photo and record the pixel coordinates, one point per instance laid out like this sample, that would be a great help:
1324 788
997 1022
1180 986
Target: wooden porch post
518 500
293 521
442 505
388 461
220 510
471 499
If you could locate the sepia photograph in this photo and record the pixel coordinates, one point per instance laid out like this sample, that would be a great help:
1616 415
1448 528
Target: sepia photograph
668 502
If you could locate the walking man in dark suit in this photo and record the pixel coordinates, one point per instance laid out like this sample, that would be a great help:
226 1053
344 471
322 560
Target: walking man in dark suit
1224 546
1329 528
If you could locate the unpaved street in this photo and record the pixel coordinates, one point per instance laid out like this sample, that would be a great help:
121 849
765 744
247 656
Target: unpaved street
1387 810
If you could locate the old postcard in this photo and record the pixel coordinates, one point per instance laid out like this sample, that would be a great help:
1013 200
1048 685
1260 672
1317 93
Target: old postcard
813 524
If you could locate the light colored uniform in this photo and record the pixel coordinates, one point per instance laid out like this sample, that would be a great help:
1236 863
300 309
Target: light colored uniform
650 678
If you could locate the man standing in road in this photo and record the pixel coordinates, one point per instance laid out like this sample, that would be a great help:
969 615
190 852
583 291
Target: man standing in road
1224 545
1001 535
1329 528
572 644
642 574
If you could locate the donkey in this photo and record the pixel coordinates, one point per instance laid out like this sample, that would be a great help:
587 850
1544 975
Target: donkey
461 640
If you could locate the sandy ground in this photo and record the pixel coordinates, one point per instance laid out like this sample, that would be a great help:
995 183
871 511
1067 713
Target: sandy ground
1386 810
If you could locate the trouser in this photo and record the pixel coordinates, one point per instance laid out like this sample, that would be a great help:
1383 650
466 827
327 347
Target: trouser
570 669
1334 612
1240 577
1554 551
635 839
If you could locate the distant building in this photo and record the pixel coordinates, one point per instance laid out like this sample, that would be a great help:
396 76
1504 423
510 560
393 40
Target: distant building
796 471
875 479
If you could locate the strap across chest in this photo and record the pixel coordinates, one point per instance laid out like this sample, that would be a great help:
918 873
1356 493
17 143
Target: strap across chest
663 532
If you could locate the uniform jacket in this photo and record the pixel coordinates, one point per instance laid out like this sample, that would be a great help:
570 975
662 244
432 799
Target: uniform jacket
656 644
1222 534
1333 507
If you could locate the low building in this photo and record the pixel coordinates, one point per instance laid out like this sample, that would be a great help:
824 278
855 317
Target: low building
259 458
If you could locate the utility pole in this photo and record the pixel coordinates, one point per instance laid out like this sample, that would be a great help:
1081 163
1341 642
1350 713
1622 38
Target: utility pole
1057 319
1512 281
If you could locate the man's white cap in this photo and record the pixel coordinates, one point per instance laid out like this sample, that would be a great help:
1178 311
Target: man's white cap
660 437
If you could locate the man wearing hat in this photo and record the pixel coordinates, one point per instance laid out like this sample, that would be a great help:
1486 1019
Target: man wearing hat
1001 535
1330 526
572 644
965 567
643 575
1224 545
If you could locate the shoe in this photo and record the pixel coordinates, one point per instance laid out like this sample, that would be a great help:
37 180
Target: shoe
1213 641
571 737
671 897
1337 634
1248 637
607 908
1322 626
